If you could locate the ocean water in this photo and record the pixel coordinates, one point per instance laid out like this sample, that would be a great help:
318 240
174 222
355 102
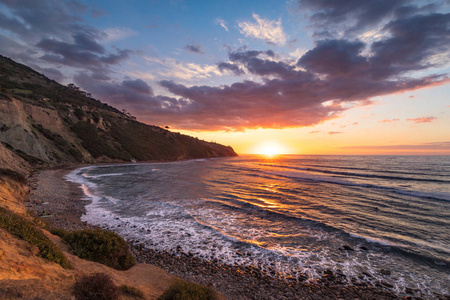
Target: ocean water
294 214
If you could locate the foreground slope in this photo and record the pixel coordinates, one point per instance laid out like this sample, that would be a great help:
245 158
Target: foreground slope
44 122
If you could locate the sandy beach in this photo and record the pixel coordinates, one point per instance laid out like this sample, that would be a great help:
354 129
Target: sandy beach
61 204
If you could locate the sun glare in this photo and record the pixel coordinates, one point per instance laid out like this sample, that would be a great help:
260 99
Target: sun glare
270 149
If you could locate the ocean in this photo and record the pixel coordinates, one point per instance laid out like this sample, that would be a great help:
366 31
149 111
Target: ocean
374 219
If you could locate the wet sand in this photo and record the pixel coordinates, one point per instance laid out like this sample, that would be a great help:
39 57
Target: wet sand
61 204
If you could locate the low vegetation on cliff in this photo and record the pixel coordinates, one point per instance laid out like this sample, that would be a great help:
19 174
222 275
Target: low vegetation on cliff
27 231
102 246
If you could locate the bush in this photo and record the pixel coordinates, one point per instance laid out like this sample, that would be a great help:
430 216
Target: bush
25 230
96 286
79 113
101 246
130 291
59 232
182 290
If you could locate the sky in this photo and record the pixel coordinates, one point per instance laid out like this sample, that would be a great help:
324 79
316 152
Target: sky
296 77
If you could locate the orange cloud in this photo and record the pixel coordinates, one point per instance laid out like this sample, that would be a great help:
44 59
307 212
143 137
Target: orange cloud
389 121
422 120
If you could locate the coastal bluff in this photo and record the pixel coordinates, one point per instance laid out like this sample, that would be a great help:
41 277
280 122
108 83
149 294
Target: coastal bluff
46 123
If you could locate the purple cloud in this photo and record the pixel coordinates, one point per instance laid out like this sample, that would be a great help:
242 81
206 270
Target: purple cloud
223 66
52 33
197 49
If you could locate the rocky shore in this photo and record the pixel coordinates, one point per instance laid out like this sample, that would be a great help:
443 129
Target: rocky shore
241 282
61 204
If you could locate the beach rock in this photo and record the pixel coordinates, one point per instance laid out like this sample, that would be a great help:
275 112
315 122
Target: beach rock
385 272
366 274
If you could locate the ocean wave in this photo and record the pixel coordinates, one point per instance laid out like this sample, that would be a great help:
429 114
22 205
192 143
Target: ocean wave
341 181
364 175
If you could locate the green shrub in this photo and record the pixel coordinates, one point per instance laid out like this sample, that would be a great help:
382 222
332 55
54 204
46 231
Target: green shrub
130 291
182 290
25 230
59 232
96 286
101 246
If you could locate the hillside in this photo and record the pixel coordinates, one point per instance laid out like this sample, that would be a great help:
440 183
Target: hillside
44 122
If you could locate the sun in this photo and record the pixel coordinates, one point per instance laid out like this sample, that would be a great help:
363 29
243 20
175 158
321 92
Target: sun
270 149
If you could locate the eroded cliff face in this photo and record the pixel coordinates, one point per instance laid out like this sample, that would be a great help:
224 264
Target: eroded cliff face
11 161
38 134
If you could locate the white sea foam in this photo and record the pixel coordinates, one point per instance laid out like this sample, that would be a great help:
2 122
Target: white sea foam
213 233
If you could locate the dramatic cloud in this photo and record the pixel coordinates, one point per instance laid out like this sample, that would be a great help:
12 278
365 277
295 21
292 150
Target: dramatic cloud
83 52
51 32
128 93
269 31
194 49
422 120
223 66
413 42
289 93
330 17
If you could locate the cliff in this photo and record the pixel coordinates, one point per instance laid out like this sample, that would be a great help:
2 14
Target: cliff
45 123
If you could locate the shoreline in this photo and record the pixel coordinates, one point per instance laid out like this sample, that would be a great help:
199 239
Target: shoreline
61 204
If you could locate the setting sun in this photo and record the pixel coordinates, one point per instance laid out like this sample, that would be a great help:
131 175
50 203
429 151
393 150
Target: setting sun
270 148
270 151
